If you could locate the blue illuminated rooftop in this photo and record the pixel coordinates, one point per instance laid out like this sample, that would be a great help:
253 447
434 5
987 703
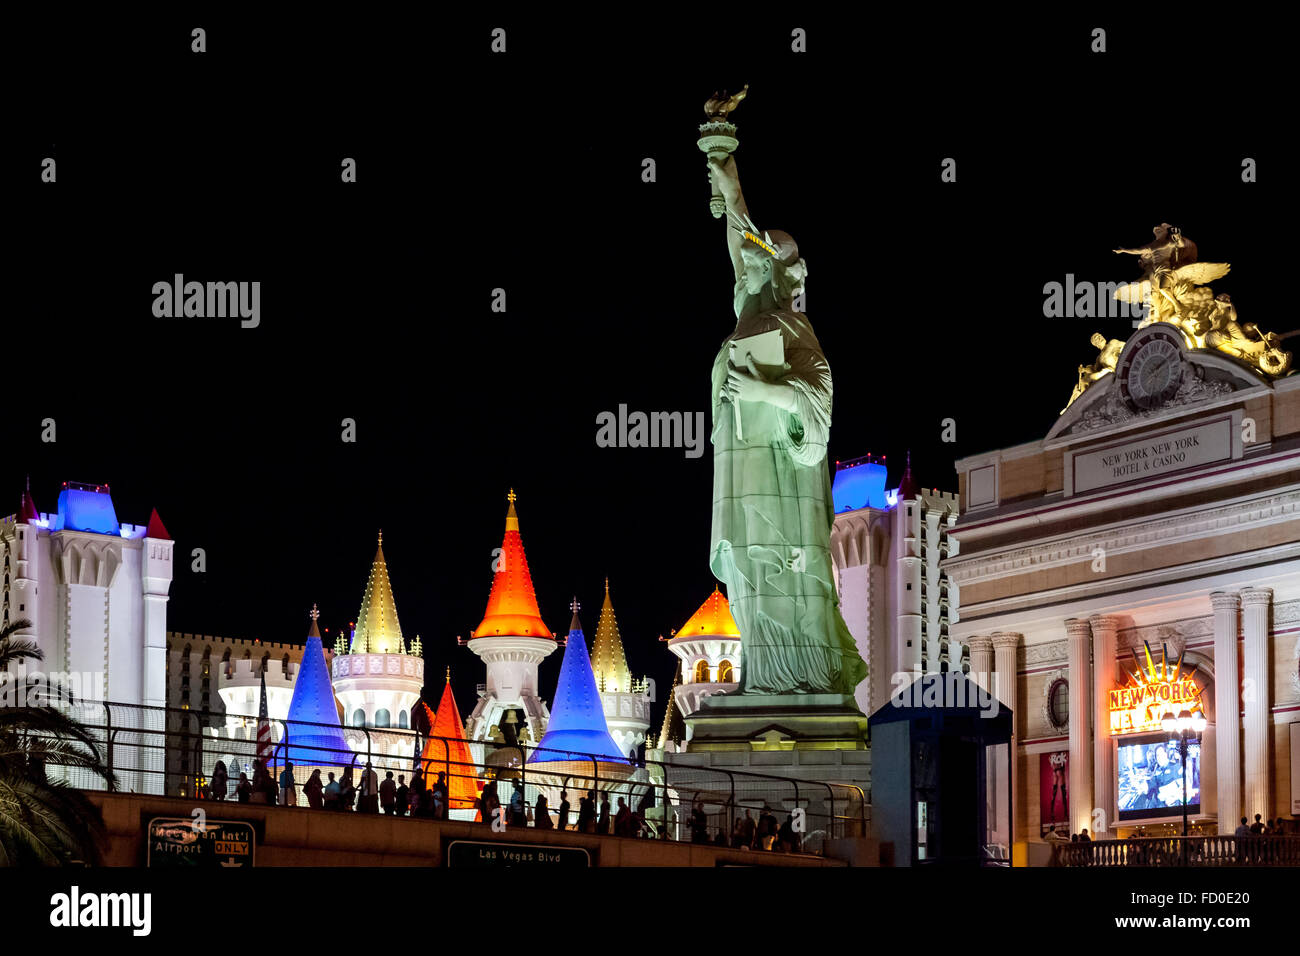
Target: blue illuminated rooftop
86 508
860 484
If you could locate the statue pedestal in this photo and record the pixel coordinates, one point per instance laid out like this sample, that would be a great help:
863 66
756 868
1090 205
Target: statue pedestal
778 722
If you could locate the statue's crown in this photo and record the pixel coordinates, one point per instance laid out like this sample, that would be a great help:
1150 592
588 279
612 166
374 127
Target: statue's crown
745 226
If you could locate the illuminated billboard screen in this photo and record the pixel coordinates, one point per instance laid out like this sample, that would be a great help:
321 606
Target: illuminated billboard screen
1150 774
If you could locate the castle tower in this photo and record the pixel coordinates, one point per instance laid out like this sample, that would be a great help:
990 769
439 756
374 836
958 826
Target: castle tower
447 752
313 703
577 730
512 641
887 548
708 649
626 700
376 679
95 593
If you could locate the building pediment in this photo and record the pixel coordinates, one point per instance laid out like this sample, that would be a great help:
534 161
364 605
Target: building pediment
1202 376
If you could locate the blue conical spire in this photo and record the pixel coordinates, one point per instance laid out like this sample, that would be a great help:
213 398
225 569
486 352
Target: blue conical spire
313 701
577 726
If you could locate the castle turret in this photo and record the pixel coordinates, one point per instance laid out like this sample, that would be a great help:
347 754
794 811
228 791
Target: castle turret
377 680
512 641
626 700
708 647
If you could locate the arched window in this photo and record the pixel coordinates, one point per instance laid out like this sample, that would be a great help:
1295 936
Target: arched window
401 719
701 672
358 718
725 674
381 718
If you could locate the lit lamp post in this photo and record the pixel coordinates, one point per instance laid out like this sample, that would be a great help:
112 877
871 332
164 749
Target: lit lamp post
1187 726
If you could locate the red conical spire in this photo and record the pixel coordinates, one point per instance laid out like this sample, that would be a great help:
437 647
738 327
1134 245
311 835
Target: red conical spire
156 528
907 487
512 604
27 510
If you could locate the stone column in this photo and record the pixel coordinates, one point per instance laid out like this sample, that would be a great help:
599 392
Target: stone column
1105 628
1256 603
1227 709
981 659
1080 645
1005 689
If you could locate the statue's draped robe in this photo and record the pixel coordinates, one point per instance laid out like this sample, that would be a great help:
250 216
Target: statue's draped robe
772 515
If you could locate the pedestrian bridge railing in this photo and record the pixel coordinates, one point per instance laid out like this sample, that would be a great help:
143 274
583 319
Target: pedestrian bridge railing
174 751
1215 850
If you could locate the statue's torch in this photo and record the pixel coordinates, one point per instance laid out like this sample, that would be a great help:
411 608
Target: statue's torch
718 139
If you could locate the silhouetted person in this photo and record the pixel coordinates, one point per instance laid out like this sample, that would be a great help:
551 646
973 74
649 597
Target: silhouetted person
1083 836
491 802
542 813
388 794
586 813
417 792
260 777
747 827
518 812
786 837
738 834
369 802
439 804
402 798
602 824
219 779
347 789
766 831
623 819
288 788
699 824
244 789
564 810
312 790
1257 827
333 794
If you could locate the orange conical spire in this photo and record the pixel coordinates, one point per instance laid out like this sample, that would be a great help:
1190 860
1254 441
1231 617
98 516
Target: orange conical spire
713 619
447 752
512 604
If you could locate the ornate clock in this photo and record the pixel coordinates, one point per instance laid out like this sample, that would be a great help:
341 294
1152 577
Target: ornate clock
1151 371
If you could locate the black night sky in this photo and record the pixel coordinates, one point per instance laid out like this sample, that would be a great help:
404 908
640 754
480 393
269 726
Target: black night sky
523 172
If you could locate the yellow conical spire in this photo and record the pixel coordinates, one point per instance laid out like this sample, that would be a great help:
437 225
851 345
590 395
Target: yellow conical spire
673 728
377 629
608 662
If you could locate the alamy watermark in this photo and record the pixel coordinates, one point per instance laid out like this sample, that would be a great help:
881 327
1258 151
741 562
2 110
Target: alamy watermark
1089 300
208 300
75 692
949 689
626 429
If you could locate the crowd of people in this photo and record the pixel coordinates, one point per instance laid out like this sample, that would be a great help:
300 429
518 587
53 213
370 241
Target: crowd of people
429 799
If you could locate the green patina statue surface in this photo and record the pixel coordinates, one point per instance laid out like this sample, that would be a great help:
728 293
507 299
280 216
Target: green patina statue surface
772 505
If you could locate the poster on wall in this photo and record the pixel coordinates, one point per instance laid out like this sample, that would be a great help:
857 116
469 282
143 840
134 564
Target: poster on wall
1054 792
1295 769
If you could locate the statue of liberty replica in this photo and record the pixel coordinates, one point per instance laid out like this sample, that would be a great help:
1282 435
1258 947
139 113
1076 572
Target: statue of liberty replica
772 505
